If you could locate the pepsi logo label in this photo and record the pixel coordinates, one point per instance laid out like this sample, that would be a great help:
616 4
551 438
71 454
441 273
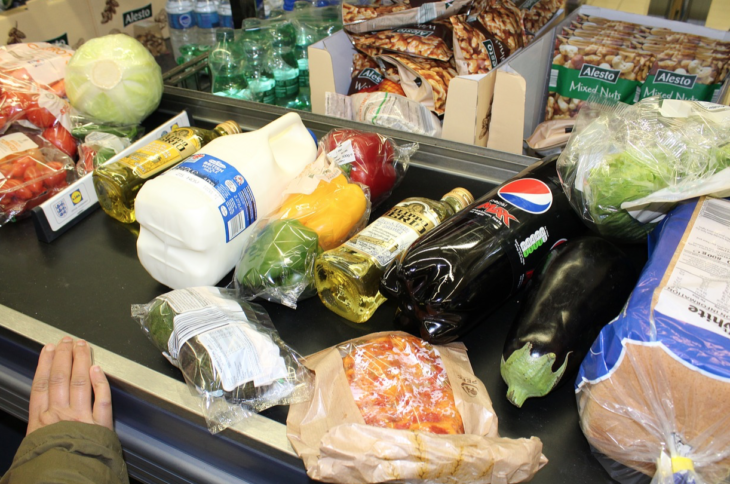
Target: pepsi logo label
527 194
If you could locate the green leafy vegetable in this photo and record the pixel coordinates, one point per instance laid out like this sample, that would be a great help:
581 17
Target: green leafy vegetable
114 79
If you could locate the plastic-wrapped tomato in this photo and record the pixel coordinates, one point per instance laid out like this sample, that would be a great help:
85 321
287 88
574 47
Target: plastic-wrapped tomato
32 171
41 117
61 139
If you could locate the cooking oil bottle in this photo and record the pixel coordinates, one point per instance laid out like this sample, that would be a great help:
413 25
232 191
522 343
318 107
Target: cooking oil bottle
348 277
117 183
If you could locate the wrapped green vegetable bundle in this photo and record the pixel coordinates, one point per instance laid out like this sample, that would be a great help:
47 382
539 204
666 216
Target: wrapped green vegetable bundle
319 211
626 166
228 351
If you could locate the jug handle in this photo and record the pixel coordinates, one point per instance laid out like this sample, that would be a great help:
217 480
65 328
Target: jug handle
281 127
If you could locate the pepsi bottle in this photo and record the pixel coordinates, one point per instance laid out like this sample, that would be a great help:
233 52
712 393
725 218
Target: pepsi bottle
456 275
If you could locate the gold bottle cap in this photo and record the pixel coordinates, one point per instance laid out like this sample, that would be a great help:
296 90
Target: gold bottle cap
463 196
230 127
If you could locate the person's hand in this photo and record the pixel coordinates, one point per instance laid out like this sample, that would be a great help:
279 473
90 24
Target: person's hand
62 387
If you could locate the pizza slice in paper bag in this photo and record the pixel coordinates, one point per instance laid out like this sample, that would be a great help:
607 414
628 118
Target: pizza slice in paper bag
390 407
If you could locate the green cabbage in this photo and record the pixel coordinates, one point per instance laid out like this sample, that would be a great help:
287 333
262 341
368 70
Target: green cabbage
114 79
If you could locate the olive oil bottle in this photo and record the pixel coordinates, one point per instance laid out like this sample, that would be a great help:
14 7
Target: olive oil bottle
348 277
117 183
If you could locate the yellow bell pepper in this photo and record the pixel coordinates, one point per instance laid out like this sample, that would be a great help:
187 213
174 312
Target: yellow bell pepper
331 210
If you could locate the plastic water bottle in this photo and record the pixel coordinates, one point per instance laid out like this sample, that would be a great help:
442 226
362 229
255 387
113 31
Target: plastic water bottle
206 18
193 218
181 21
226 65
225 14
283 66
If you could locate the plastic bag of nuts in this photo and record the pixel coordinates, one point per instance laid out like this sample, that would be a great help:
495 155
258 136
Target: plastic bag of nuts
486 37
432 40
581 68
368 18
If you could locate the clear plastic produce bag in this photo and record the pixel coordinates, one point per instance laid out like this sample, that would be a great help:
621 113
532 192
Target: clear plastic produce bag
32 170
369 158
626 166
228 351
320 211
33 92
98 148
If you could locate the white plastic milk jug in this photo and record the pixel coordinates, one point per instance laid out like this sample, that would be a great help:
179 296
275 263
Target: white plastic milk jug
192 217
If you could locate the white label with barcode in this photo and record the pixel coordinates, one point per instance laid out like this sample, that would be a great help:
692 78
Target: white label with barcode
182 300
343 154
236 225
15 143
554 73
240 354
698 289
198 310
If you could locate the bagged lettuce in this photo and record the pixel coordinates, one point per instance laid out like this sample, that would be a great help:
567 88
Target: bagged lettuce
626 166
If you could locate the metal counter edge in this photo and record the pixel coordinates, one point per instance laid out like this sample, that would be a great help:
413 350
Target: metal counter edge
142 450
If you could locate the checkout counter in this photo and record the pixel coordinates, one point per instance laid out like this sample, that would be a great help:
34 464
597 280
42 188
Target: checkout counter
84 283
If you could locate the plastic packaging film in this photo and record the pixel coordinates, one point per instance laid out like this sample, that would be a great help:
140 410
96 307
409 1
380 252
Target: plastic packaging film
626 166
369 421
31 171
321 210
371 159
228 351
401 383
652 393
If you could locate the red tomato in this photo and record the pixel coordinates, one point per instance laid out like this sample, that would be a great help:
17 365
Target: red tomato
16 189
20 165
59 87
14 105
89 155
61 139
6 169
21 74
41 117
59 174
33 177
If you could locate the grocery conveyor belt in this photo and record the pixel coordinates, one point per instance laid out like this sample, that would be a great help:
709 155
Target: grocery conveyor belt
84 283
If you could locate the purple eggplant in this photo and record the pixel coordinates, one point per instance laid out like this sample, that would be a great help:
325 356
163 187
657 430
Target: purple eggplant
581 286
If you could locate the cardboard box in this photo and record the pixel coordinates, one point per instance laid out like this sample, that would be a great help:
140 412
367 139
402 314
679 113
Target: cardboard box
499 109
115 16
533 65
467 105
66 21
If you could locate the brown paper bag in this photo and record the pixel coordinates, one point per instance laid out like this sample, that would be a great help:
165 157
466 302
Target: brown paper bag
330 434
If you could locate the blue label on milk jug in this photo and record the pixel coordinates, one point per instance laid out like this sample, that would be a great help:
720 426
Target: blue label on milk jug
223 184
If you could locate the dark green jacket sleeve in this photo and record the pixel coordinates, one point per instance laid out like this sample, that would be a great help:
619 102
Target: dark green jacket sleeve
68 453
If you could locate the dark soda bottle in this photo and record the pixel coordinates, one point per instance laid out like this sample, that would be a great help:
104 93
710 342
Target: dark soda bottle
456 275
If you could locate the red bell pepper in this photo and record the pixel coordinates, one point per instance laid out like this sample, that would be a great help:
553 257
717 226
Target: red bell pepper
369 159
